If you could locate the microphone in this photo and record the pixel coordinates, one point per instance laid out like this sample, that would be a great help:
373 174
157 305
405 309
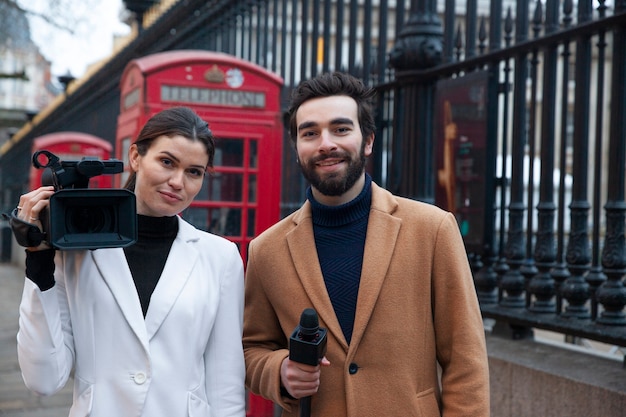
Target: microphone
307 345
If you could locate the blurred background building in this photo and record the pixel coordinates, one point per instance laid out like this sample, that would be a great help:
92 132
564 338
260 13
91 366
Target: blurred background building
26 84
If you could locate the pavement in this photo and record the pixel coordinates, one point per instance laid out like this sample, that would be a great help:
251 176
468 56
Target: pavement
15 399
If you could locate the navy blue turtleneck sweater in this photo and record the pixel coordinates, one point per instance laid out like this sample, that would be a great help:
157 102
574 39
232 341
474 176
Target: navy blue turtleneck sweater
340 240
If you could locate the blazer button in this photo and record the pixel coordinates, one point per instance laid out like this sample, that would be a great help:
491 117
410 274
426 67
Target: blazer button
140 378
353 368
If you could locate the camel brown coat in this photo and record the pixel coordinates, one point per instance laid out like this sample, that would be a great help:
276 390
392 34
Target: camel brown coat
418 345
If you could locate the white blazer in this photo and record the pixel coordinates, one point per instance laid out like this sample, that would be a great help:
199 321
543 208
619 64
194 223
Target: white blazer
184 359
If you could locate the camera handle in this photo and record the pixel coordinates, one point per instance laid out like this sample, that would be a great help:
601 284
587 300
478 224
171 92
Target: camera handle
75 174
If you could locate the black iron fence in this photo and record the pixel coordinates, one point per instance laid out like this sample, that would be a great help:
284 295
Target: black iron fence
552 253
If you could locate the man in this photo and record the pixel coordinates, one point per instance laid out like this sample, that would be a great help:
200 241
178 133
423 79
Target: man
388 277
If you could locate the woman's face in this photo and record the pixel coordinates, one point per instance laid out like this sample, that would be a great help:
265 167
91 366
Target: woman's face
169 175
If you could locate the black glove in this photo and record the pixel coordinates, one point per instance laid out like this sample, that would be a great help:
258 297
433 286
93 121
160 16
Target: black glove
26 234
40 268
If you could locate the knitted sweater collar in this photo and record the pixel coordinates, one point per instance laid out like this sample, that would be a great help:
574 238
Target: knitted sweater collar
332 216
156 227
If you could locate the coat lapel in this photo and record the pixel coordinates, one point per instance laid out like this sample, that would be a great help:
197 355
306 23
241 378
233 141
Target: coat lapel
382 233
304 256
115 271
180 262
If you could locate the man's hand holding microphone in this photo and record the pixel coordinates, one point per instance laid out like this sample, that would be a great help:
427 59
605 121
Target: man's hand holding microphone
300 372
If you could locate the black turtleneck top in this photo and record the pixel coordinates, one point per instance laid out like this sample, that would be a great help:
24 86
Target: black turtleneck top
340 241
146 258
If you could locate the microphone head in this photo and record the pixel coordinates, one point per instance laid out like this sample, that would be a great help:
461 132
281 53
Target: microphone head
309 323
307 343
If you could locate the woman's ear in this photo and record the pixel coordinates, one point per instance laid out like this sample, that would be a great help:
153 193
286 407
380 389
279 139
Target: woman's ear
133 157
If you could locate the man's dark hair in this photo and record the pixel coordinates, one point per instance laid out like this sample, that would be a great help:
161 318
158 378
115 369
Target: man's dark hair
334 84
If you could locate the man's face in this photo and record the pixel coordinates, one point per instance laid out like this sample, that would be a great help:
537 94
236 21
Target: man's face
331 149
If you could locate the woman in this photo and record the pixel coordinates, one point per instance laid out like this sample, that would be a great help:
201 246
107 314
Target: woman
153 329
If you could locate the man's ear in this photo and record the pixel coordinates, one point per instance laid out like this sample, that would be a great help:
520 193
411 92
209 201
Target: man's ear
369 144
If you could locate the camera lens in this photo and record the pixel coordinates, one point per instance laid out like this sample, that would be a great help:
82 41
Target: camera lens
88 219
92 219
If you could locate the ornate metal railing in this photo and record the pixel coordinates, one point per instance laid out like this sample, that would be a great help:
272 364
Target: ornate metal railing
553 254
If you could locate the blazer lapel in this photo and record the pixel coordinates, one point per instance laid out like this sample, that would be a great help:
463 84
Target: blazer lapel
115 271
382 233
304 257
180 262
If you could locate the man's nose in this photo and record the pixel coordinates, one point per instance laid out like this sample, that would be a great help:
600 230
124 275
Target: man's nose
327 143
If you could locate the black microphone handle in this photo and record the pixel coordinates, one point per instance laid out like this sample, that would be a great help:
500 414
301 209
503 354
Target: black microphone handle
305 406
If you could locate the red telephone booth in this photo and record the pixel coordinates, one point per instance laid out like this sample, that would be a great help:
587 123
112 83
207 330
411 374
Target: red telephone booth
72 146
241 103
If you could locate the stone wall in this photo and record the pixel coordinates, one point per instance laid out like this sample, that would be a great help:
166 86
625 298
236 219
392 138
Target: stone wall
531 379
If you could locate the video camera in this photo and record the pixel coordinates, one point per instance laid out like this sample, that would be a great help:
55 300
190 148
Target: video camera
83 218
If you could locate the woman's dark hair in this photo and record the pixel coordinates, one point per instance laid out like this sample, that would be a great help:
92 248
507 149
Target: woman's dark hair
176 121
334 84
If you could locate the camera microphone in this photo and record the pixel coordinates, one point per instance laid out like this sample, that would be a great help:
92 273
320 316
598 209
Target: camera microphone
307 345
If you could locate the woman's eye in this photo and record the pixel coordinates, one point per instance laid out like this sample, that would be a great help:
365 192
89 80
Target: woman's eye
166 161
196 172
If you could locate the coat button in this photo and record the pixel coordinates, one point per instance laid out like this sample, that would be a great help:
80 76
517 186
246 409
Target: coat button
353 368
140 378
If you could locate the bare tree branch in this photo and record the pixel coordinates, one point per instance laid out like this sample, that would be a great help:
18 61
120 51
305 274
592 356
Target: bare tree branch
62 15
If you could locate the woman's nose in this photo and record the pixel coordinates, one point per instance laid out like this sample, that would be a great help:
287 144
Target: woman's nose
176 179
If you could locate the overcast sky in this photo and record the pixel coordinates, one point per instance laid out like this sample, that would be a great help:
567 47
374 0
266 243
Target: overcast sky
92 40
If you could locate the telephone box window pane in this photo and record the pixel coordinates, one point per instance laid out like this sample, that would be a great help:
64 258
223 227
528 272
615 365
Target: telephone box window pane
252 188
221 221
251 222
125 145
225 187
228 153
203 195
225 221
197 216
131 98
254 153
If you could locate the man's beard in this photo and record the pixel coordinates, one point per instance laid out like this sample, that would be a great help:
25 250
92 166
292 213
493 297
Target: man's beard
335 184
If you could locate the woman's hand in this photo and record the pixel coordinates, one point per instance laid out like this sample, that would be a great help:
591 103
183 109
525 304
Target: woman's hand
30 207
